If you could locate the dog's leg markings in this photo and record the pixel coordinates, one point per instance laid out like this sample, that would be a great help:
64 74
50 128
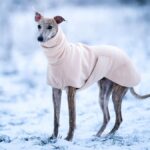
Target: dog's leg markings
72 113
57 103
117 96
105 91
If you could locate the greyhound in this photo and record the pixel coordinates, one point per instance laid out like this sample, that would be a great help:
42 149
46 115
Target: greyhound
47 29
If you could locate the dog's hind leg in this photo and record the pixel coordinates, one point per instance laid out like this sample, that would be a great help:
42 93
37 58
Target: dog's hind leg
57 103
72 114
105 86
117 95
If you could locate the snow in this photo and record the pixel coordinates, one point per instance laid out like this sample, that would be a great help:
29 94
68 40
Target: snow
26 109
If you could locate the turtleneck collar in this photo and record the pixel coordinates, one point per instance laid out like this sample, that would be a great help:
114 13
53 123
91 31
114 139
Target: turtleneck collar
55 48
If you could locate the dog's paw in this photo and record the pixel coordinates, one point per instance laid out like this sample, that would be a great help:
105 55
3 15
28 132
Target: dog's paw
53 137
68 138
98 134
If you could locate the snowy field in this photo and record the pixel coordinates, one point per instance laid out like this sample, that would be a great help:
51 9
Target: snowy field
26 110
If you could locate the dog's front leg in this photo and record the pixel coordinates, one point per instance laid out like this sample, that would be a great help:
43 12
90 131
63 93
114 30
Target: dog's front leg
57 103
72 114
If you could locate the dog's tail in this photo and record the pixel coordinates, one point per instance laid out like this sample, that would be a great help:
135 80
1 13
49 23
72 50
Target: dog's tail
137 95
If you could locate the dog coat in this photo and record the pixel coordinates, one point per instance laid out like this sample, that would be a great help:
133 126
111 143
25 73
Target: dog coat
80 65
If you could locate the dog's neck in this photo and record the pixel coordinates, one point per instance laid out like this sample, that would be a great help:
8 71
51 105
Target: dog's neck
55 48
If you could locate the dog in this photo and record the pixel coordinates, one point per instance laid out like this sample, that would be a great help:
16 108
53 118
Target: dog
113 81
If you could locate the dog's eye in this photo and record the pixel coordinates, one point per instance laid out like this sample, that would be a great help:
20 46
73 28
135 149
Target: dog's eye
49 27
39 26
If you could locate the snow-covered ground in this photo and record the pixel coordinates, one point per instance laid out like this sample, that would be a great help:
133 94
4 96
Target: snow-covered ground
26 110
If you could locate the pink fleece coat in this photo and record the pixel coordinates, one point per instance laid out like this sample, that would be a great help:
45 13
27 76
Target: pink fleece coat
80 65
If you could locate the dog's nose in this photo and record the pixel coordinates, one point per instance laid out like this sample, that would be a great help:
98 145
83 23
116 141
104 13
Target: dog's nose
40 39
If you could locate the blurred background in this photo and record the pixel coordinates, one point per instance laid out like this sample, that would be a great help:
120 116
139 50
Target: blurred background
25 98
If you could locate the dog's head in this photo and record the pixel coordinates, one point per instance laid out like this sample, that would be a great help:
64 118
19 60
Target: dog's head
47 27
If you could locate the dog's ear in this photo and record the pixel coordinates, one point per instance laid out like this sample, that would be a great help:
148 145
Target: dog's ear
38 16
59 19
